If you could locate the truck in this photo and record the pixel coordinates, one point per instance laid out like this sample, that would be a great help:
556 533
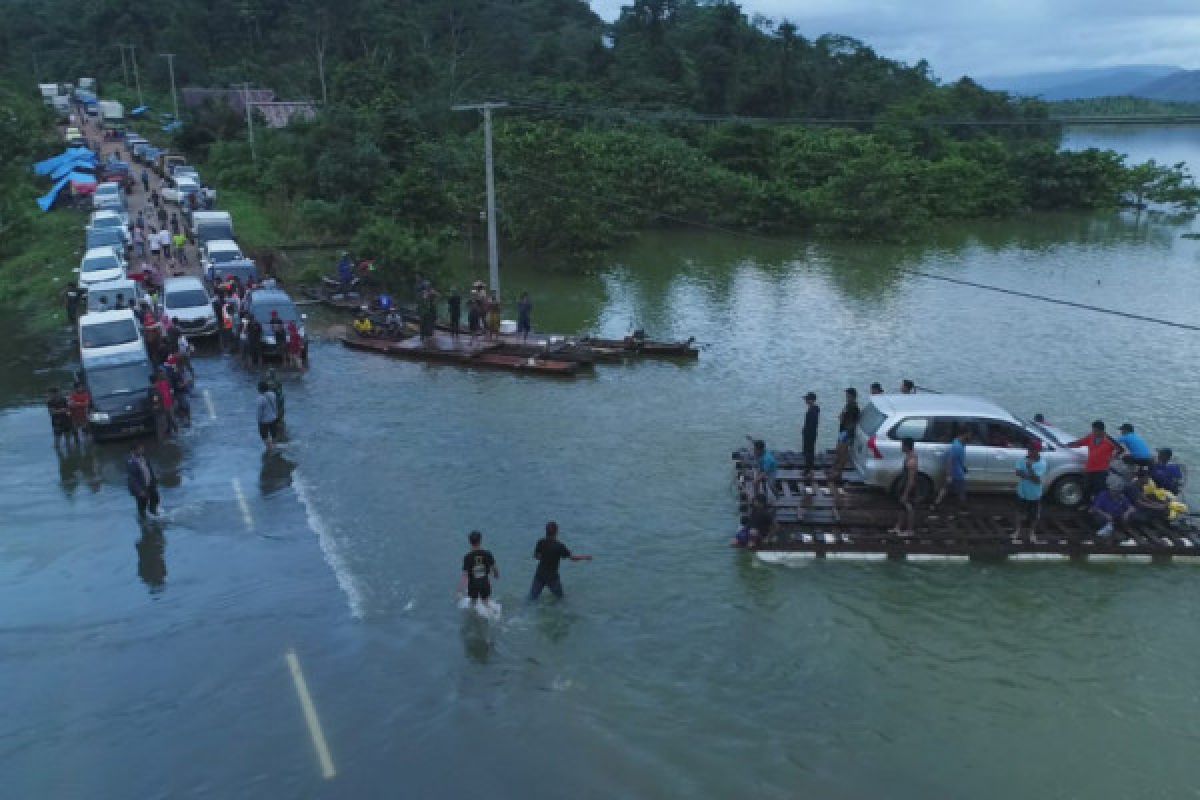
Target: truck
49 92
112 115
166 161
209 225
61 105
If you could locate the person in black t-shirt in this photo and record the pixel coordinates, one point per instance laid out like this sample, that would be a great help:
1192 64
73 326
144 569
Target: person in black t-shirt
812 418
479 566
60 415
549 552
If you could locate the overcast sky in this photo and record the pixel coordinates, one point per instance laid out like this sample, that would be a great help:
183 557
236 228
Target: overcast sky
999 37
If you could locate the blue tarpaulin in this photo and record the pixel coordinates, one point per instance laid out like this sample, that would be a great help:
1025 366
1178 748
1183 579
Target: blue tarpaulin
45 201
71 156
137 112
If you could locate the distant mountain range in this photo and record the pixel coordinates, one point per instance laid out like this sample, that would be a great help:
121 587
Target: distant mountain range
1169 84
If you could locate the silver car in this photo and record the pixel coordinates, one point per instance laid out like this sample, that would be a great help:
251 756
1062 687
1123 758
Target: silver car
998 440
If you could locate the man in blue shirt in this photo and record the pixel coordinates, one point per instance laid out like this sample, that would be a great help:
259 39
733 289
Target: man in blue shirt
956 470
1136 450
1165 474
1030 470
765 468
1111 507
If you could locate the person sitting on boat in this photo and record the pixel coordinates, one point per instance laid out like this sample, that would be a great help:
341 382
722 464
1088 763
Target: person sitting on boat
362 324
746 536
1147 505
1166 475
1137 452
762 521
1110 507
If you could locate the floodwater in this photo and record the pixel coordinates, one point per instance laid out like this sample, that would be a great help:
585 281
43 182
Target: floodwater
153 662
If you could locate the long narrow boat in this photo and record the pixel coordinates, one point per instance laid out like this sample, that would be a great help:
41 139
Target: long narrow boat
483 355
647 348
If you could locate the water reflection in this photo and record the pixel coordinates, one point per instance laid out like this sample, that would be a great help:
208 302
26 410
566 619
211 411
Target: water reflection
476 635
275 473
152 561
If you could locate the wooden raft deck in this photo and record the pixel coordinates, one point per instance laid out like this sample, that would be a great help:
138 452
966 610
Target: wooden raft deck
858 528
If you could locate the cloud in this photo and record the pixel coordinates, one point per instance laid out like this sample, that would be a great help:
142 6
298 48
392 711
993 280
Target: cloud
999 37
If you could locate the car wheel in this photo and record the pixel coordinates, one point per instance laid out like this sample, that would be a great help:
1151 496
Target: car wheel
922 495
1068 491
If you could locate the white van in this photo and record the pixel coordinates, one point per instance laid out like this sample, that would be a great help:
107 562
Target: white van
110 333
187 302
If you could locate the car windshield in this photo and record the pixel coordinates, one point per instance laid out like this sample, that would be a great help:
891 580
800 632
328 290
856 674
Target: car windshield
97 263
287 312
103 236
108 334
210 233
131 378
107 222
187 298
1045 432
871 419
224 256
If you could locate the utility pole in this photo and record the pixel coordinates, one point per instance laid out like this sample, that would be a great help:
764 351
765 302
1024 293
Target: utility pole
170 57
136 78
493 252
124 66
249 120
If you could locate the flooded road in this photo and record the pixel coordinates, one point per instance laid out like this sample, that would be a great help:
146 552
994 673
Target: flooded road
154 662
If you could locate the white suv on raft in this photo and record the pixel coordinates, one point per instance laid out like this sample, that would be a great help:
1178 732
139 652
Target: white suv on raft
998 440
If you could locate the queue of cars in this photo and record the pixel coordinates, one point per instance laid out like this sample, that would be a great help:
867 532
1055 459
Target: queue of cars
115 363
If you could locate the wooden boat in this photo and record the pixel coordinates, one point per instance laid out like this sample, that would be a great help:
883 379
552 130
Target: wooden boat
647 348
446 350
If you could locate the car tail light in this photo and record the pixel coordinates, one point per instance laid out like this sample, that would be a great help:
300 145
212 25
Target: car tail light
874 450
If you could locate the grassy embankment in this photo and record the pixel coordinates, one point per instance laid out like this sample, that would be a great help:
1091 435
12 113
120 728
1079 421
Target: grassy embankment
33 278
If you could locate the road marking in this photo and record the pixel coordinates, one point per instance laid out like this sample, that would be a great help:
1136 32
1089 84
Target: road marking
208 401
329 548
242 504
310 716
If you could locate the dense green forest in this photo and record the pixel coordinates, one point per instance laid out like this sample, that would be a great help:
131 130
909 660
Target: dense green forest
1123 106
678 113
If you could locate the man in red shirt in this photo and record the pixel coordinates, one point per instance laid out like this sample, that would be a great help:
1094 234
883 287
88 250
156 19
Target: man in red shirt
1101 450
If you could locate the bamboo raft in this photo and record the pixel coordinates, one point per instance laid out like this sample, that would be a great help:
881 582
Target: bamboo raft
858 528
445 349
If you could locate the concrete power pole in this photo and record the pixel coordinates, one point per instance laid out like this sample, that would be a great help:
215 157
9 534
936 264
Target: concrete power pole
249 120
136 78
170 57
493 251
124 66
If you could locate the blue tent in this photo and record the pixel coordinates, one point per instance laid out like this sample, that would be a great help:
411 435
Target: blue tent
137 112
47 200
69 166
71 156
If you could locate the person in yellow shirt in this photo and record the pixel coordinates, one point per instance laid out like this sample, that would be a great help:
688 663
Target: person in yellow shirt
363 325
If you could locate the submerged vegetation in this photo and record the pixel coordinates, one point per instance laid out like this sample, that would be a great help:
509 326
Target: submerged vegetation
679 113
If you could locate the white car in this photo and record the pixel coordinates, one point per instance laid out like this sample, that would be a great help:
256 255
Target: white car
110 333
188 304
108 191
101 264
184 187
217 252
107 218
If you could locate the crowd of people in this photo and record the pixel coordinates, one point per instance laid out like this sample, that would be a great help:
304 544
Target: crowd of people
483 312
1125 482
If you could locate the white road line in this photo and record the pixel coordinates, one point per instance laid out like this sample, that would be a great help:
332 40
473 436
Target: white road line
242 504
310 716
329 548
208 401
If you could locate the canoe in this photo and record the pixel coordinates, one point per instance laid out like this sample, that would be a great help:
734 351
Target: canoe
648 348
489 356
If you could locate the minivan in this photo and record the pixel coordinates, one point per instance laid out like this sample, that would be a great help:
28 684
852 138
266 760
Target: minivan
998 440
120 389
260 303
188 304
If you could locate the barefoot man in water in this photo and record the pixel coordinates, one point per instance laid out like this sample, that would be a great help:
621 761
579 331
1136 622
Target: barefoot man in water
479 566
549 552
